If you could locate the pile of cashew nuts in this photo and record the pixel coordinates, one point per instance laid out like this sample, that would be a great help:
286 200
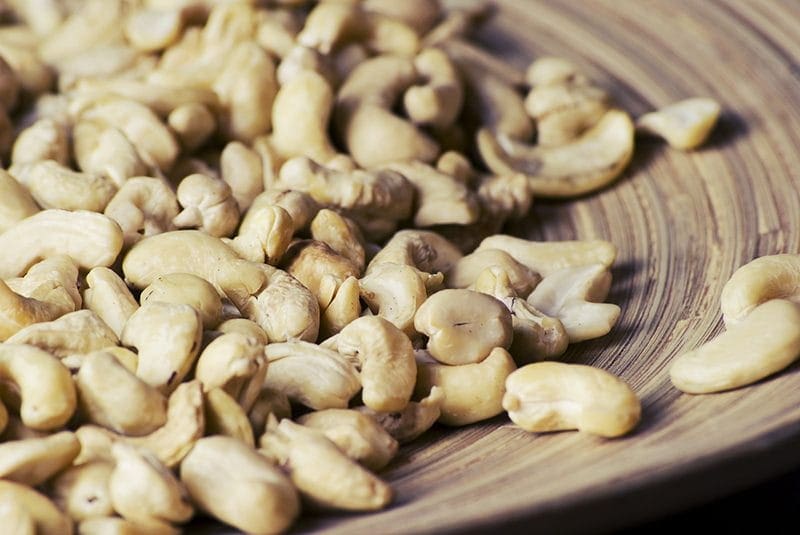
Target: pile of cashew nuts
249 248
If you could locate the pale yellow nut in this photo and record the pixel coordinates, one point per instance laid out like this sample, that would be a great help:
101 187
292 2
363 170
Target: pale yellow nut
563 111
685 124
224 416
466 271
321 472
358 435
95 22
327 24
193 123
472 392
236 363
386 356
554 396
103 383
105 150
246 327
36 509
82 491
112 60
229 481
418 14
394 292
33 74
319 268
585 164
150 30
299 60
35 460
208 205
54 185
436 103
463 326
341 234
28 369
546 257
241 168
271 403
109 297
44 140
549 70
264 234
765 342
81 331
16 202
427 252
414 420
344 308
88 238
186 289
389 36
758 281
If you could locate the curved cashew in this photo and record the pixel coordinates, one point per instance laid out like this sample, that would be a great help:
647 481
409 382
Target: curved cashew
300 206
167 338
186 289
231 482
193 123
300 60
82 491
388 368
574 296
271 403
365 122
553 396
763 343
49 290
300 117
394 292
90 239
246 327
37 511
319 268
54 185
317 377
437 103
588 163
105 150
472 392
28 368
463 326
224 416
547 257
208 205
322 473
45 139
327 24
411 422
552 70
107 296
241 169
563 111
16 202
537 336
143 207
142 489
358 435
341 234
685 124
102 382
33 461
428 252
277 31
441 199
81 331
264 234
465 272
344 308
758 281
235 363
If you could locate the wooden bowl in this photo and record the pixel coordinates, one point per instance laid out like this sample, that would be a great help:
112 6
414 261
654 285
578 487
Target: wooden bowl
683 222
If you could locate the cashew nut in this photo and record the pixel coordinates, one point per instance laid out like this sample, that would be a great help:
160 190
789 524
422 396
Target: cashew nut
685 125
465 272
394 292
53 185
437 103
235 363
554 396
107 296
552 70
766 341
45 139
411 422
143 207
82 491
33 461
341 234
186 289
105 150
114 525
246 327
758 281
208 205
231 482
224 416
463 326
343 309
472 392
193 123
241 169
150 30
319 268
271 403
300 206
46 518
428 252
16 202
81 331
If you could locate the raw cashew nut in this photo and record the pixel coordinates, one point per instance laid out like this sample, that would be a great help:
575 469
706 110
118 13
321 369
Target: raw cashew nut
33 461
322 473
364 120
466 271
411 422
142 489
150 30
586 164
167 338
358 435
105 150
16 519
235 363
143 207
685 124
246 327
53 185
224 416
28 369
231 482
77 332
428 252
186 289
264 234
463 326
319 268
472 392
107 296
436 103
103 382
241 169
208 205
766 341
45 139
16 202
552 70
82 491
394 292
46 518
388 368
762 279
574 295
547 257
563 111
88 238
271 403
341 234
554 396
317 377
344 308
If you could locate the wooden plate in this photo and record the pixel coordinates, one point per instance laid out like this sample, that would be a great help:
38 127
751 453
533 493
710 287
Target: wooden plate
683 223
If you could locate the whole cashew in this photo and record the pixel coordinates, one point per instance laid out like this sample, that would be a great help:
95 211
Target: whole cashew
186 289
394 292
45 139
685 124
82 491
466 271
241 169
436 103
758 281
208 204
224 416
45 517
54 185
341 234
300 206
105 150
235 363
80 332
107 296
35 460
319 268
143 207
193 123
428 252
16 202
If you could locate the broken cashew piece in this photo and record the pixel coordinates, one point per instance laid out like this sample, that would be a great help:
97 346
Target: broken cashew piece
554 396
763 343
264 234
758 281
685 125
415 419
590 162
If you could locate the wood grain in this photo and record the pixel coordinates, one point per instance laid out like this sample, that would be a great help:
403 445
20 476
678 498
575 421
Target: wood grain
683 223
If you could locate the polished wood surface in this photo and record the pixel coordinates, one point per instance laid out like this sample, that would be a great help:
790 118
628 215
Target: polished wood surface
683 222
